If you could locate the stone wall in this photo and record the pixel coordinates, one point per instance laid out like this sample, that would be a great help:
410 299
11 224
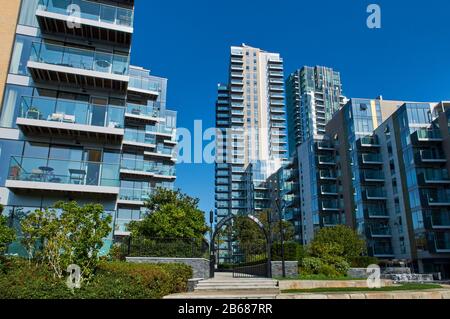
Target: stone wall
291 269
200 266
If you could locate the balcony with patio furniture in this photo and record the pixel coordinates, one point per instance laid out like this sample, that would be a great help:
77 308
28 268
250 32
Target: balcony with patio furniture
45 175
70 118
66 65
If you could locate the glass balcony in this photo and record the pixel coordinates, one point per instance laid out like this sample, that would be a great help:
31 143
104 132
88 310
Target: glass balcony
331 220
380 231
327 175
329 190
436 176
91 11
135 195
71 112
372 159
440 197
325 146
137 136
143 110
372 175
331 205
429 135
382 250
326 160
377 212
432 156
442 242
440 219
46 170
370 141
148 167
145 84
376 193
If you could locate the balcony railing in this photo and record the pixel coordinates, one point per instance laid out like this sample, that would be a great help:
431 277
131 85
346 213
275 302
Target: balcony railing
329 190
426 134
147 167
370 141
143 83
79 58
328 160
442 242
72 112
371 175
380 231
439 197
46 170
372 159
377 212
143 110
327 175
430 156
91 11
135 195
436 175
382 250
331 205
376 193
139 137
440 219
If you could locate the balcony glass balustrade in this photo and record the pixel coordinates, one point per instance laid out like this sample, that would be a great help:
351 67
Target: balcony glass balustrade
380 231
372 158
375 211
331 205
91 11
382 250
143 83
425 134
133 194
436 175
440 219
80 58
147 167
331 220
439 197
329 189
370 141
442 242
137 136
430 156
327 174
372 175
72 112
143 110
46 170
376 193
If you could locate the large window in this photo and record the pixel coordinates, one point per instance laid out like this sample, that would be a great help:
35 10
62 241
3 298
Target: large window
28 13
8 148
11 104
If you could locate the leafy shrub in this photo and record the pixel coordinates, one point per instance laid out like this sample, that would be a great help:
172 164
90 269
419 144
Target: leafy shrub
328 270
292 251
311 265
112 280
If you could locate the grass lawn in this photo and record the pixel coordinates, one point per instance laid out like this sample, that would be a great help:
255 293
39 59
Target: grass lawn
350 289
318 277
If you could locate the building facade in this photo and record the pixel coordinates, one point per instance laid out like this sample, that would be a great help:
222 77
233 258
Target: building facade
313 95
251 125
78 122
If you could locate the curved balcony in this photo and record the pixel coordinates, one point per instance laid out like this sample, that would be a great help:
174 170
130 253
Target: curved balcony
86 19
58 64
44 175
68 118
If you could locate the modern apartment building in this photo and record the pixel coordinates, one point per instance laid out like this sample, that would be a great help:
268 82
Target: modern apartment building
78 122
313 95
251 122
382 169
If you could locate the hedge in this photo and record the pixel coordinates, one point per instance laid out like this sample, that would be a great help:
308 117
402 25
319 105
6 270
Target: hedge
112 280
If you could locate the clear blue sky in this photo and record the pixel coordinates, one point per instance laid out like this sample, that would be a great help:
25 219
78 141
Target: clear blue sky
188 42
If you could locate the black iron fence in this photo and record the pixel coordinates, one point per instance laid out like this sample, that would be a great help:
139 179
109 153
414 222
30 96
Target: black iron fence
165 247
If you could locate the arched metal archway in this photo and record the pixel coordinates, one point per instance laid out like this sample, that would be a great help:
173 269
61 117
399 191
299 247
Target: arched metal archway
244 271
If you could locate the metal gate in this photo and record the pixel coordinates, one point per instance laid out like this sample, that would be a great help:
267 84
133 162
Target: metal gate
250 261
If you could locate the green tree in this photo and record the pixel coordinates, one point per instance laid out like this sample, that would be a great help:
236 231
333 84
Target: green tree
66 234
171 215
7 234
340 241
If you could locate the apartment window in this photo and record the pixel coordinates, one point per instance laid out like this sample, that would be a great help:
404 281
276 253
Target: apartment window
28 13
11 104
21 55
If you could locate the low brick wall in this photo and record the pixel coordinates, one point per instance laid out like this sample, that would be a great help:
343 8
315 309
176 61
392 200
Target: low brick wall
290 266
313 284
200 266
